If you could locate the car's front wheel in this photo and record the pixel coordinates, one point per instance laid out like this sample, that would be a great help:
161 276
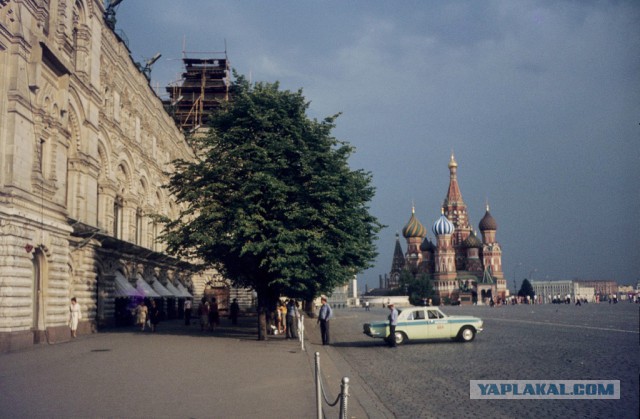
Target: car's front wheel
400 338
467 334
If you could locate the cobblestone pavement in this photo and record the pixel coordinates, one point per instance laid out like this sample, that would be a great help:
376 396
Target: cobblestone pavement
534 342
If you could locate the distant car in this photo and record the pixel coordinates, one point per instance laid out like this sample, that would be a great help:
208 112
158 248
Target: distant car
422 323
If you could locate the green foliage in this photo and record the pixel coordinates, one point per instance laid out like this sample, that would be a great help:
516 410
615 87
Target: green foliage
271 201
526 289
417 288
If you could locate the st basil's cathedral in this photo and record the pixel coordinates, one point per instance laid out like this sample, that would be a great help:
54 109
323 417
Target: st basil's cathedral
459 263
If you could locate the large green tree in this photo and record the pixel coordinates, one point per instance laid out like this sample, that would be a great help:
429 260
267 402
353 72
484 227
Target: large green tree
417 287
526 289
271 200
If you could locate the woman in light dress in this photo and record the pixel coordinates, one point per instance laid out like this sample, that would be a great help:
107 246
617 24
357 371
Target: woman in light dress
74 317
141 314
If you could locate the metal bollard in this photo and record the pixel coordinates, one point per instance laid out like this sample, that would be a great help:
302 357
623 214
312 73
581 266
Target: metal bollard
344 396
301 332
318 387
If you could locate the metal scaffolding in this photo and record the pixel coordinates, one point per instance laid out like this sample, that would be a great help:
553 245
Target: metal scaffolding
203 87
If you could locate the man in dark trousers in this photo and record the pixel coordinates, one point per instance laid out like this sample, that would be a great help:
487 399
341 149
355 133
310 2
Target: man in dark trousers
323 318
393 322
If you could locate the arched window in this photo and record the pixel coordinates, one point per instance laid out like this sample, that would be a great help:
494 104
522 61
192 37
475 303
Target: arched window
118 209
40 156
38 292
139 227
154 244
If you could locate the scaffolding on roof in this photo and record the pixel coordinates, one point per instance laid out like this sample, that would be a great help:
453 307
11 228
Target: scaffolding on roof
203 87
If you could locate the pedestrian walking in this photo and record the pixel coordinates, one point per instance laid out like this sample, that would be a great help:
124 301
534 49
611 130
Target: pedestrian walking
203 311
154 315
282 316
141 314
234 310
366 305
74 316
187 312
292 318
393 322
324 318
214 315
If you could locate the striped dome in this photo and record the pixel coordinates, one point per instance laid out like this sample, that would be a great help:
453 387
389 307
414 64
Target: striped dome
414 228
443 226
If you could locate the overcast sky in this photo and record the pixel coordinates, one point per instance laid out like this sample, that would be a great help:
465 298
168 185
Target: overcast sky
539 101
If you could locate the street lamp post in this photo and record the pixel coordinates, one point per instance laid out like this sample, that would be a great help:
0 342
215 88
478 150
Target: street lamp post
515 285
531 272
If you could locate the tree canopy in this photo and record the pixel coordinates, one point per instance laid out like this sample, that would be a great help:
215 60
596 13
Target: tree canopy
526 289
271 202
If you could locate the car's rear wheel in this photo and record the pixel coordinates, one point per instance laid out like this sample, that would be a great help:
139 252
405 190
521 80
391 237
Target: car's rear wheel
467 334
400 338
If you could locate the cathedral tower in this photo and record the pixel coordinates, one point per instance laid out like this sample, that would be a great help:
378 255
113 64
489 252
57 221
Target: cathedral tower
456 211
397 265
444 257
414 232
491 251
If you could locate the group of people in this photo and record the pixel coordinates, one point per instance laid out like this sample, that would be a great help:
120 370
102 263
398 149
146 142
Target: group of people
147 316
209 314
288 315
285 318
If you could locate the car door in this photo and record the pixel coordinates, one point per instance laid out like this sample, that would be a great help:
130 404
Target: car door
414 325
438 324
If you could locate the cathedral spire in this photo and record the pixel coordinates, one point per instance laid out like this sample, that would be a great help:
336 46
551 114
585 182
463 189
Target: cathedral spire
453 194
397 265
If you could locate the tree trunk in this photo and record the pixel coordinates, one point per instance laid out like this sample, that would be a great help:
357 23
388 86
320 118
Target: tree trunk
309 309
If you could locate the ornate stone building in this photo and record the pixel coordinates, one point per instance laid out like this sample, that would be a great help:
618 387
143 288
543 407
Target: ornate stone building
84 145
458 260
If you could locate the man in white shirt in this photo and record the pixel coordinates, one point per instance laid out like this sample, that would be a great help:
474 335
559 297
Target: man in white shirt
323 318
393 322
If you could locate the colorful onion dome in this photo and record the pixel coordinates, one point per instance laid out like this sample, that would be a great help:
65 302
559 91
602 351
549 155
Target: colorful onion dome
427 245
488 222
472 242
443 226
414 228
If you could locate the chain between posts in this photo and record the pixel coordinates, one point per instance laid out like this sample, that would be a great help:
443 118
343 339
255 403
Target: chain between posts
320 392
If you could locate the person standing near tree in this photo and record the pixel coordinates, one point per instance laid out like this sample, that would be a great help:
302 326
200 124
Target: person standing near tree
323 318
214 315
234 310
292 317
74 316
203 310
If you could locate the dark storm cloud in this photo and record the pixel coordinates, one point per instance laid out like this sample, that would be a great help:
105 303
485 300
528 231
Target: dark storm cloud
539 100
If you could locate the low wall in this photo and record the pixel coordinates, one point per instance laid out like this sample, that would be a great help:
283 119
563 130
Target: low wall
383 301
